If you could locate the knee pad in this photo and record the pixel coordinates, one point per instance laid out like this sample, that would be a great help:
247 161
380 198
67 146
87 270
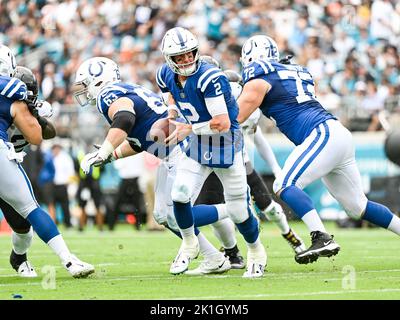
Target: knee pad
180 193
238 210
355 209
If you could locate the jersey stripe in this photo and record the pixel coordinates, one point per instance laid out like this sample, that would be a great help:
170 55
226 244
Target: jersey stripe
159 80
15 89
9 84
204 75
213 76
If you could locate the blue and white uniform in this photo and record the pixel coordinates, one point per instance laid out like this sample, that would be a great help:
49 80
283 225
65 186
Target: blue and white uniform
148 108
217 150
16 188
324 147
221 153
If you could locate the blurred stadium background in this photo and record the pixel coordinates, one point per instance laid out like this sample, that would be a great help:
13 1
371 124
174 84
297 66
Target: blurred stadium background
351 48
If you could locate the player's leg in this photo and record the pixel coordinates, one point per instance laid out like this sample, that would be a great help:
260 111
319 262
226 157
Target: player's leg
212 193
345 185
13 177
21 237
271 209
237 200
318 155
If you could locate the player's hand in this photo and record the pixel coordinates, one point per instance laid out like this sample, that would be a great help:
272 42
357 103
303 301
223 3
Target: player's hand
91 159
44 109
110 158
182 130
172 114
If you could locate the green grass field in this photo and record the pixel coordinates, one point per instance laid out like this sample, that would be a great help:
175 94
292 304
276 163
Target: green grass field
134 265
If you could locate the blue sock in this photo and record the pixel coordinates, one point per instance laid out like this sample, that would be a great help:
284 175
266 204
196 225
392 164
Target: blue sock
43 225
378 214
204 215
249 229
297 200
183 214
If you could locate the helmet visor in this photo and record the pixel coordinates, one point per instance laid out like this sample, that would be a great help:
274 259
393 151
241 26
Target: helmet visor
80 92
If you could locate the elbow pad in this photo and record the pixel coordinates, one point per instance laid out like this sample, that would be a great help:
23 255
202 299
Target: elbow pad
124 120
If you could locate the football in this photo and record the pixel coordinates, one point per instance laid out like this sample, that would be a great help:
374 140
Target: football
160 130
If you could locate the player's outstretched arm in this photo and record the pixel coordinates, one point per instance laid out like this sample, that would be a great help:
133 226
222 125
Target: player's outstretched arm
251 97
122 115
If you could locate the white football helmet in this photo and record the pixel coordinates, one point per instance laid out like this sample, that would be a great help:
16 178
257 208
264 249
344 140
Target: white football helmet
178 41
92 76
7 61
259 47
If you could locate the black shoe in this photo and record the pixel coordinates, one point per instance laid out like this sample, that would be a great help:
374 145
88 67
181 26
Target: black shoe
322 245
17 259
235 258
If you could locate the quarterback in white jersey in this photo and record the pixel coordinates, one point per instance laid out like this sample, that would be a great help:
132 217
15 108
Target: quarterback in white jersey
324 148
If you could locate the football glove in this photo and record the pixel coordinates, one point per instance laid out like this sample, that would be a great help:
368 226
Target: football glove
92 159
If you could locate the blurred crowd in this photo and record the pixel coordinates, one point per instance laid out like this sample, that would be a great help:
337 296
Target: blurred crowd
351 47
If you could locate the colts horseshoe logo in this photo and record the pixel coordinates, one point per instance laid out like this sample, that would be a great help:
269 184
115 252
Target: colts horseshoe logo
100 68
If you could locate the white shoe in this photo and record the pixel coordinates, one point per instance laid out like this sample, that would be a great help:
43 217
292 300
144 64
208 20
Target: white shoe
26 270
186 254
78 268
256 262
211 266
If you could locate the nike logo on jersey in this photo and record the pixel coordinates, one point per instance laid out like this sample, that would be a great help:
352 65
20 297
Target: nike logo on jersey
213 80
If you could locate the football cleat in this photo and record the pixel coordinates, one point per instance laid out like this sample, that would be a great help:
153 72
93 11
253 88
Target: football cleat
186 254
78 268
235 258
256 262
26 270
294 241
322 245
211 266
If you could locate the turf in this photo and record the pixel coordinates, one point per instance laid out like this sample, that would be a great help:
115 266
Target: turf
134 265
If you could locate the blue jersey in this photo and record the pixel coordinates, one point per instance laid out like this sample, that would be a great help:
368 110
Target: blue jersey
215 150
148 108
291 102
11 89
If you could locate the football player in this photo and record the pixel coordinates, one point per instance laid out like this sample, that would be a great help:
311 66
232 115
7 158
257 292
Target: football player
22 232
16 189
132 110
266 206
324 149
202 94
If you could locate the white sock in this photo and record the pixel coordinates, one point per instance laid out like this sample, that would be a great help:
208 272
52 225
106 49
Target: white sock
58 245
224 230
394 225
313 221
188 232
206 248
255 244
274 212
22 241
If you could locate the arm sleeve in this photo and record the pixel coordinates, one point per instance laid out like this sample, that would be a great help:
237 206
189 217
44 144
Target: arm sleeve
265 151
216 105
